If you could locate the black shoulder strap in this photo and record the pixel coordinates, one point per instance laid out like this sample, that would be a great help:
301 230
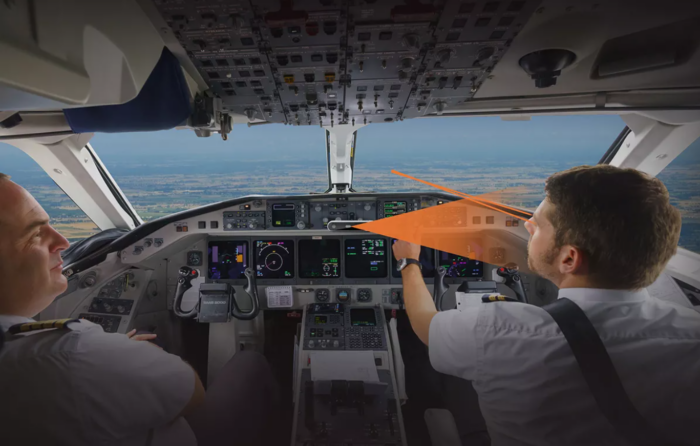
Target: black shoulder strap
600 374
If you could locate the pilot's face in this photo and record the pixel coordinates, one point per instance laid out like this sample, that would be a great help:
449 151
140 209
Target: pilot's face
30 254
541 249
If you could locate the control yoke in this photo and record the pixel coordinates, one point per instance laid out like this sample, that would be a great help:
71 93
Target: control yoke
184 283
513 281
440 287
213 296
251 289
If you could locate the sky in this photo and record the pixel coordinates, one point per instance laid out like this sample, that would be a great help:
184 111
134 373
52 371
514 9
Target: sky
581 139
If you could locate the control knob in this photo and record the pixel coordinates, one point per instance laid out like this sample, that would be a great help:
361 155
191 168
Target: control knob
147 243
311 343
301 225
368 207
120 308
252 225
257 203
229 226
336 344
108 308
317 208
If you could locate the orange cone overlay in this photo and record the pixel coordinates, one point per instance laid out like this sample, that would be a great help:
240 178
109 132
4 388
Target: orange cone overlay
460 228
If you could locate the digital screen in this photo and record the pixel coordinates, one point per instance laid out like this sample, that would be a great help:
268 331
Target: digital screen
362 317
319 259
274 259
321 320
458 266
392 208
426 259
283 215
227 259
365 258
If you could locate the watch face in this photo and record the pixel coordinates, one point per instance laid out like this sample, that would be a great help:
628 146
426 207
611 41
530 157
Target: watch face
401 264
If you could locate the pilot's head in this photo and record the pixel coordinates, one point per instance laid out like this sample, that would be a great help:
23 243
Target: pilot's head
603 227
30 253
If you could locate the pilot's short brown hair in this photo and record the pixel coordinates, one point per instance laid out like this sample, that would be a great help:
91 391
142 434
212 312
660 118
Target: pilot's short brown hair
4 176
621 219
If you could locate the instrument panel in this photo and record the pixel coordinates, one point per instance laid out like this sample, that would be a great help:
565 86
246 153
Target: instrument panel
323 259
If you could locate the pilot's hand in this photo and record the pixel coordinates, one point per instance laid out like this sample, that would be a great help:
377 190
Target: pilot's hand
141 337
406 250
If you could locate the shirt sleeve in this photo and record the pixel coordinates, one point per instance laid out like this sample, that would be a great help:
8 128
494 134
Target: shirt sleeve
126 386
453 342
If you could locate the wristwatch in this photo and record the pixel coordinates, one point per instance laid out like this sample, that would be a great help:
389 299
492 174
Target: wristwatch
403 263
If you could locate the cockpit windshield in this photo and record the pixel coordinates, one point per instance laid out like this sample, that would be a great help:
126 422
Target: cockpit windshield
170 171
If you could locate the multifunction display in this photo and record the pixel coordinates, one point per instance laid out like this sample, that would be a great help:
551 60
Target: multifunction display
427 261
283 215
365 258
458 266
227 259
319 259
363 317
274 259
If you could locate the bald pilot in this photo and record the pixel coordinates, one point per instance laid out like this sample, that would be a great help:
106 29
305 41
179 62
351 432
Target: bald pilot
78 385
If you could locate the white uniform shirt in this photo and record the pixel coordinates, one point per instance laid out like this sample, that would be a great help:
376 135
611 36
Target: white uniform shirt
530 388
82 386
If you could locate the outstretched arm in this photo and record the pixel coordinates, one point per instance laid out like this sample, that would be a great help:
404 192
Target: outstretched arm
417 299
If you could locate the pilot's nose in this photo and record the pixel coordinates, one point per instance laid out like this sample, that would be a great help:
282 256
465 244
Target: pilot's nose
59 242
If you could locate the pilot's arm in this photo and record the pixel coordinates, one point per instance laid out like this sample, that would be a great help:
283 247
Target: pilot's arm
450 335
128 385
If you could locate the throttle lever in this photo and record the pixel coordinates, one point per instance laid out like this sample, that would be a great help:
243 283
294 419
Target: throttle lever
251 289
513 281
440 287
184 282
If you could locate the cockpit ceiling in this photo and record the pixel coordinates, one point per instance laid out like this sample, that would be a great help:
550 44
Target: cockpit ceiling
327 62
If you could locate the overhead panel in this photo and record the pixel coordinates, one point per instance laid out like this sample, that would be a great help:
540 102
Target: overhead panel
327 62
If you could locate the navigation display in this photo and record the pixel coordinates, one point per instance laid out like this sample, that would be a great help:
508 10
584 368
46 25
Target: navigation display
365 258
362 317
319 259
426 259
274 259
458 266
227 259
283 215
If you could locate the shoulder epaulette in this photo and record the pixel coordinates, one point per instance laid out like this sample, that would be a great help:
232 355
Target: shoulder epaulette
39 325
497 298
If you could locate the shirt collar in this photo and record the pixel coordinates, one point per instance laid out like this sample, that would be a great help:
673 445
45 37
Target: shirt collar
603 295
7 321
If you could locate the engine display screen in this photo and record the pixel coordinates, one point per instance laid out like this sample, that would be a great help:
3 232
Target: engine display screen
227 259
426 259
319 259
458 266
283 215
274 259
392 208
365 258
320 320
362 317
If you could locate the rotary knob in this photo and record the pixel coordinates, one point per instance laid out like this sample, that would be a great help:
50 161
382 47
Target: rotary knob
229 226
301 225
317 208
120 308
252 225
257 203
147 243
311 344
368 207
325 219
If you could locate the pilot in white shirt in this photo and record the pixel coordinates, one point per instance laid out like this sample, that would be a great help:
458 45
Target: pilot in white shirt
77 385
602 235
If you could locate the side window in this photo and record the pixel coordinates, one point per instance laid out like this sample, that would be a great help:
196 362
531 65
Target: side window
683 183
66 217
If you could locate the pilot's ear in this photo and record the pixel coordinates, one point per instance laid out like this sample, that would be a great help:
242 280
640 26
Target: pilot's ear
571 260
